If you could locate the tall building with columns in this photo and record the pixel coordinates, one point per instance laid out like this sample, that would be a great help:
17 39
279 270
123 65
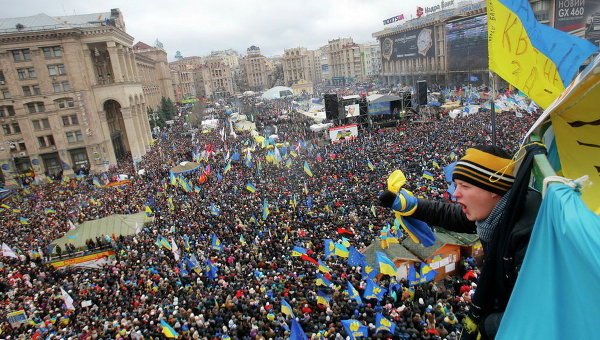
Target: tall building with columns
70 95
154 73
301 64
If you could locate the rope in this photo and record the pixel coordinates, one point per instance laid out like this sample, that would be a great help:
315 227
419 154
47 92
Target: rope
576 184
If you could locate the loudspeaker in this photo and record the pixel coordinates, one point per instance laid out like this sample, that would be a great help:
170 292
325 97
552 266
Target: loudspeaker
363 106
422 92
406 100
332 106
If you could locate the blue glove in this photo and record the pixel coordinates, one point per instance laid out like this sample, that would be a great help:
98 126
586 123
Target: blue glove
405 203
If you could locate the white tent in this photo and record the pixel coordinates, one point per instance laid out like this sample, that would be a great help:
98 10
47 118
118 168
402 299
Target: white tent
278 92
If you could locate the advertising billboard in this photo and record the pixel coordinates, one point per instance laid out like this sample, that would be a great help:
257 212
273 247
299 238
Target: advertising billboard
341 133
409 45
467 44
352 110
578 17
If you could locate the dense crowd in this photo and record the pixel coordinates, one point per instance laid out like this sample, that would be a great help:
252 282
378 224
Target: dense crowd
256 269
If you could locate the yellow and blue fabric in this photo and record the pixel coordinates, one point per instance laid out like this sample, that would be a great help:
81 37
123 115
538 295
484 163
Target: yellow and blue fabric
322 298
386 266
345 242
537 59
286 308
299 251
167 330
49 211
297 333
23 220
355 329
355 258
428 175
323 267
353 293
373 290
242 240
163 242
307 169
424 274
214 210
329 248
186 242
419 231
486 171
227 167
341 250
368 271
216 243
370 165
405 203
383 324
567 233
250 187
322 280
170 204
265 209
210 269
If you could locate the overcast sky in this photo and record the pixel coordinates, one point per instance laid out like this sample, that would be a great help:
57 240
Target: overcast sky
198 27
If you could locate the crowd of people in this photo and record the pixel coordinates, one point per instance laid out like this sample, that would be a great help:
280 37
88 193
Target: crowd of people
240 296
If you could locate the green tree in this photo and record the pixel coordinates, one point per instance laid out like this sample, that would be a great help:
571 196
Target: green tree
166 109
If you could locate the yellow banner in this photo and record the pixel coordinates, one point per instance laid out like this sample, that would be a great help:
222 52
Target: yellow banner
81 259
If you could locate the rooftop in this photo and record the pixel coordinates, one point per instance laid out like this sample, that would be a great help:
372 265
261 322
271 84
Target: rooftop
43 22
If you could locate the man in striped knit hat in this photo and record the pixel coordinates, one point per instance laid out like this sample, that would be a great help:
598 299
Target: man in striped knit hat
483 179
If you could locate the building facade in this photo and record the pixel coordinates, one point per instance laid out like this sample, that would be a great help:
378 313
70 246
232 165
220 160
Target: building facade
256 70
154 73
214 78
183 72
300 64
345 61
372 60
71 97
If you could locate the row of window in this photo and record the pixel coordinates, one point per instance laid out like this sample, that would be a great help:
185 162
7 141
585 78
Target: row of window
25 54
39 124
34 90
25 73
35 107
44 141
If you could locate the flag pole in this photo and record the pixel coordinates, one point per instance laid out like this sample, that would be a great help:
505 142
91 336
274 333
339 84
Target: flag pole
492 76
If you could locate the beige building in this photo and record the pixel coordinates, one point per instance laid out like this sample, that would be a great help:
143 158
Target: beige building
70 95
300 64
183 73
345 62
256 69
213 78
154 73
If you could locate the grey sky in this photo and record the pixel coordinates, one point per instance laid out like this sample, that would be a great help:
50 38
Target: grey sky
199 27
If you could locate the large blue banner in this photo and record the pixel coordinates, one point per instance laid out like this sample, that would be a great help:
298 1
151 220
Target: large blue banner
379 108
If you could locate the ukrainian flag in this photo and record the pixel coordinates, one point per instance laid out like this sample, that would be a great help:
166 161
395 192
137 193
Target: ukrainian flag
353 293
227 167
386 266
23 220
216 243
49 211
250 187
383 324
428 175
322 298
370 165
323 267
329 248
322 280
148 211
265 210
299 251
535 58
341 250
167 330
286 308
307 169
355 329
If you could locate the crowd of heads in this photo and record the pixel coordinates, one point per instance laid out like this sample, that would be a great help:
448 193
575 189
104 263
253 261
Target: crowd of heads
256 270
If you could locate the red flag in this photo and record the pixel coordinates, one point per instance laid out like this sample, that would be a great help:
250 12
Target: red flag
310 259
344 231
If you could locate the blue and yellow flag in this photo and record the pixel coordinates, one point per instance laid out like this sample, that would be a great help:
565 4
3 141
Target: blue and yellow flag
373 290
242 240
341 250
329 248
386 266
23 220
428 175
163 242
424 274
322 280
167 330
353 293
355 329
535 58
306 168
265 209
49 211
297 333
323 267
214 210
250 187
370 165
322 298
286 308
299 251
368 271
383 324
227 167
216 243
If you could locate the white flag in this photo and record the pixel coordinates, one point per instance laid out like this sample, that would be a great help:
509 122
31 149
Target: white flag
175 249
67 299
6 251
138 229
71 225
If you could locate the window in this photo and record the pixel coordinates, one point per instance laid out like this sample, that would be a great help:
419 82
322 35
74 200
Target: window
52 52
62 86
46 141
6 111
26 73
2 77
70 120
10 129
34 107
31 90
21 55
5 93
41 124
56 70
64 103
74 136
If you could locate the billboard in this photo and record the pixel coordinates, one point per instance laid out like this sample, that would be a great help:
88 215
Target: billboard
409 45
379 108
341 133
352 110
467 44
578 17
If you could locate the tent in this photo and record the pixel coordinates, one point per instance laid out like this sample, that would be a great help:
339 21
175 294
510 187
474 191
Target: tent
185 167
111 225
278 92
